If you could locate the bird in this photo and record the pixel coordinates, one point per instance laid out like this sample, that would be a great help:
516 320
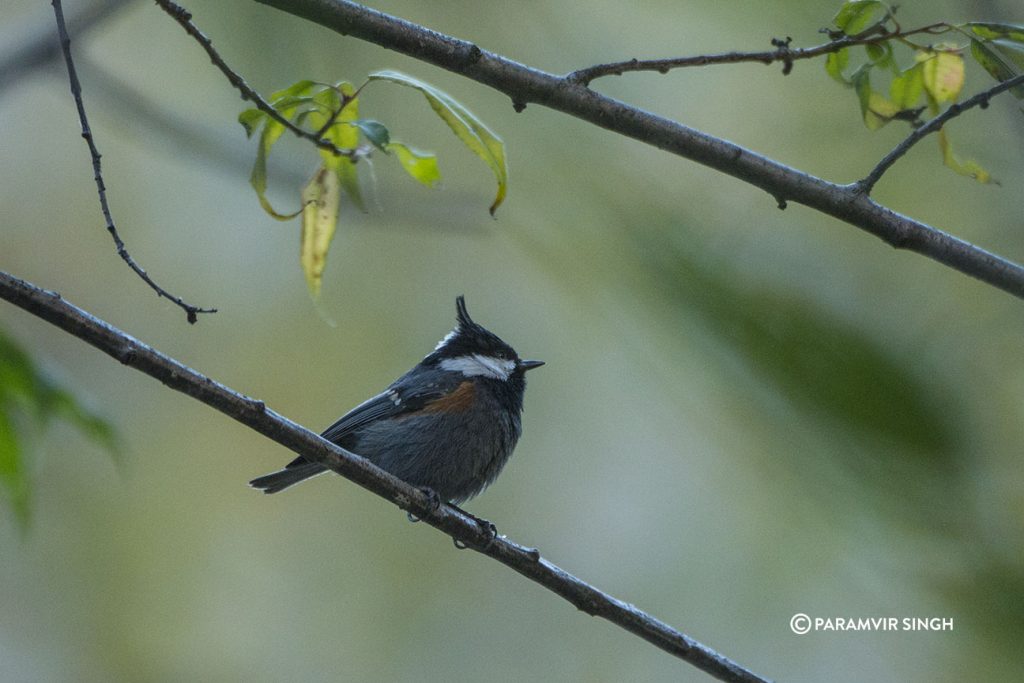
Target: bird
447 426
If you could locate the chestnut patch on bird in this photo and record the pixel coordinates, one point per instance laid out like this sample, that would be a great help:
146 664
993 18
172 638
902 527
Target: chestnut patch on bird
458 400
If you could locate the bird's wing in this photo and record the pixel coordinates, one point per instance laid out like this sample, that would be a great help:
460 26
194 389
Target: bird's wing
404 396
400 398
380 406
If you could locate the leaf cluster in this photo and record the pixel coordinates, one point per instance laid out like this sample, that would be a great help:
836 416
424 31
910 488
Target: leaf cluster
932 79
331 112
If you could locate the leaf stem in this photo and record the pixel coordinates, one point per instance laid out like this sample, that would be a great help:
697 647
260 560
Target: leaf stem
782 53
184 18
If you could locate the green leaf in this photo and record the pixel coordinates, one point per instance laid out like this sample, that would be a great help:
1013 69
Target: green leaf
965 167
258 178
881 55
856 16
344 135
1002 59
25 387
287 102
906 88
994 31
835 64
24 384
299 88
943 73
293 102
251 119
1012 52
326 101
320 204
467 127
375 132
60 403
18 376
13 480
422 166
876 110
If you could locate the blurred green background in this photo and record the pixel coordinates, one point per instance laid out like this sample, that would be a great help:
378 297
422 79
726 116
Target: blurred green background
746 413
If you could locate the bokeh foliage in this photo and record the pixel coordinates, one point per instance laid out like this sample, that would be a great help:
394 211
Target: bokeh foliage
30 400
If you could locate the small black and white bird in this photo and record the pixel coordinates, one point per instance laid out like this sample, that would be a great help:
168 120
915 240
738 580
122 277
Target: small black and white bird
448 425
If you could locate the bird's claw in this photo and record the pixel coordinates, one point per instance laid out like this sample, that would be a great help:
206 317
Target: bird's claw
433 499
487 527
433 503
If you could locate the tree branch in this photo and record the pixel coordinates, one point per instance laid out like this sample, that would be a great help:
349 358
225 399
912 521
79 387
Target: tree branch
782 53
184 17
101 189
955 109
524 85
460 526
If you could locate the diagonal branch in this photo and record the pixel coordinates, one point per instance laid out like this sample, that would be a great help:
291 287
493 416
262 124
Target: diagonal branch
463 527
782 53
524 84
76 92
979 100
184 17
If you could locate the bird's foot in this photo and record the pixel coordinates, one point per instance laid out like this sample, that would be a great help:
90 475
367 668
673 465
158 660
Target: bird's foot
487 527
433 503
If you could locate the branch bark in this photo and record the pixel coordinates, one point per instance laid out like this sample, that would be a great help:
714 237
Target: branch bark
936 123
460 526
191 311
782 53
524 85
184 18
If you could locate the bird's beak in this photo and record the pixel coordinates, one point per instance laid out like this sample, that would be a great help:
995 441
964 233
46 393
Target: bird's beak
530 364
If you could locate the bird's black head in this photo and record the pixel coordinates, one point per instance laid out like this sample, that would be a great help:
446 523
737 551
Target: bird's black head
476 351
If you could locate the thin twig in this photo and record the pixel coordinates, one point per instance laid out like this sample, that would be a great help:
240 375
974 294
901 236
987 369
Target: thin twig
345 101
460 526
524 84
191 311
933 125
782 53
184 17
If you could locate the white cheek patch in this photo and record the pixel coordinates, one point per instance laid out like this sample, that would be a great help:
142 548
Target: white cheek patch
477 365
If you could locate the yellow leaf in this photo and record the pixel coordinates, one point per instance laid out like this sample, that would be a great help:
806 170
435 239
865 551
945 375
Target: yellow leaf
344 135
943 73
836 62
968 167
879 111
420 165
320 203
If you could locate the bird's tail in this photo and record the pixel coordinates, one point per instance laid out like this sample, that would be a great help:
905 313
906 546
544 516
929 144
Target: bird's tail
300 470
